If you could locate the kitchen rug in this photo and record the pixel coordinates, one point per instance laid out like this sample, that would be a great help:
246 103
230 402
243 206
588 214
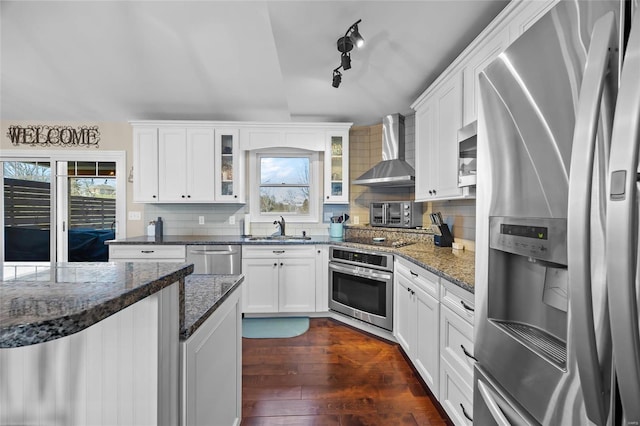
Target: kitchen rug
274 328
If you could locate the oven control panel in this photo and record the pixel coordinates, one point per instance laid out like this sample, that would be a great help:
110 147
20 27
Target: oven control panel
362 257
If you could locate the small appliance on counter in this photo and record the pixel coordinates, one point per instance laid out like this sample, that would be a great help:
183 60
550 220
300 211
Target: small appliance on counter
443 237
395 214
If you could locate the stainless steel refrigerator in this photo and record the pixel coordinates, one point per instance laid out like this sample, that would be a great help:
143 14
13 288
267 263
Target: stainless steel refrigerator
557 329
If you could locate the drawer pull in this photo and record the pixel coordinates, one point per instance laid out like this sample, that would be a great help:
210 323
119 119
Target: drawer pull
414 274
147 251
467 307
468 354
278 251
464 412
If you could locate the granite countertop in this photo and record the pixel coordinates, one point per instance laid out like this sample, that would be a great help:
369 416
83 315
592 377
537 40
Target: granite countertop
65 298
203 294
453 265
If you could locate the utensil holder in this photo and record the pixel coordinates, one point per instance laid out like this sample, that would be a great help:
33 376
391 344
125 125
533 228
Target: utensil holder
336 230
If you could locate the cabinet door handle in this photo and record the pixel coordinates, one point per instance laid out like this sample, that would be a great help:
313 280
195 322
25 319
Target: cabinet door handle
414 274
281 264
147 251
327 197
468 354
153 196
467 307
408 289
182 196
275 263
235 196
278 251
464 412
188 196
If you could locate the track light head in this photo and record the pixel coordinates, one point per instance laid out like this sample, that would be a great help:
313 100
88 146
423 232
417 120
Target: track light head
355 36
337 78
345 61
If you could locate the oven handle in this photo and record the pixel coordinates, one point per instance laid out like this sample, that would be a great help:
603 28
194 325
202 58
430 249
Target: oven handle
352 271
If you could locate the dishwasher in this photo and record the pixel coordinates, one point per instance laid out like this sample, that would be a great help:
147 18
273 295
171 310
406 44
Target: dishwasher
215 259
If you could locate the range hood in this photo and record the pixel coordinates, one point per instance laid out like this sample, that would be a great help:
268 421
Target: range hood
393 170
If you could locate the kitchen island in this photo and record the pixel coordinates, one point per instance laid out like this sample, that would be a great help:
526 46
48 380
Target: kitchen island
99 343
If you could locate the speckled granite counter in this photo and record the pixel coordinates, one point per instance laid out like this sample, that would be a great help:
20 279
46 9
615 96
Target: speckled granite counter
453 265
203 294
68 297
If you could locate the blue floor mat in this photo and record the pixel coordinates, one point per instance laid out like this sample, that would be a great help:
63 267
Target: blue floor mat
274 328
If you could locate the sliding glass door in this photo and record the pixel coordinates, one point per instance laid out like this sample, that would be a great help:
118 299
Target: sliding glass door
62 206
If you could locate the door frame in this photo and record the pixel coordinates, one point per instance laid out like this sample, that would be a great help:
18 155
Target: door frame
55 156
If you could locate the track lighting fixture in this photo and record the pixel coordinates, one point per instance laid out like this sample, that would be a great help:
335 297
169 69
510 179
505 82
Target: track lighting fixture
345 45
337 78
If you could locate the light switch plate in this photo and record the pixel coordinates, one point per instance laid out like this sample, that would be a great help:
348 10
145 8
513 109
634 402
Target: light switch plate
232 220
133 215
356 220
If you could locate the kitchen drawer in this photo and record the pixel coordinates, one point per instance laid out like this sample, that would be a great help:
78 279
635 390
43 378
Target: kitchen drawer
456 395
419 276
458 300
279 250
456 337
148 252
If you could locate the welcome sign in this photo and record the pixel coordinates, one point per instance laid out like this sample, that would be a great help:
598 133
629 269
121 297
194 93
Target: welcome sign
42 135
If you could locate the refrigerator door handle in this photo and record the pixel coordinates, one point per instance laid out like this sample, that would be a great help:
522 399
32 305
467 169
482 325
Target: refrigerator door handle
622 229
579 216
492 405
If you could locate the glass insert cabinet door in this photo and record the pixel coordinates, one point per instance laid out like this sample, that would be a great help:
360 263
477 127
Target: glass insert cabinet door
337 168
227 165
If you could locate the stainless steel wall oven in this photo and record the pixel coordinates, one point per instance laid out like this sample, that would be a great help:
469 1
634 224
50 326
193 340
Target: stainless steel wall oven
361 285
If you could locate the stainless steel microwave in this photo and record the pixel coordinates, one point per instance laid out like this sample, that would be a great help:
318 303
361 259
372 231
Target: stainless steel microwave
395 214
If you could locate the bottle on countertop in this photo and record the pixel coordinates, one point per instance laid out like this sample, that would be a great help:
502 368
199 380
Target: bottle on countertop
151 229
159 228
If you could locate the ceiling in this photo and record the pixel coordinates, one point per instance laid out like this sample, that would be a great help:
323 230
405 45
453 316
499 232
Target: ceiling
225 60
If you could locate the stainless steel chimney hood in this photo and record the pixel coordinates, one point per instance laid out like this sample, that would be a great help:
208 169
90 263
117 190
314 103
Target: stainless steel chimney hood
393 170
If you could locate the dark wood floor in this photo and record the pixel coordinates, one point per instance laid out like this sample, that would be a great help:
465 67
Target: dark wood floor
331 375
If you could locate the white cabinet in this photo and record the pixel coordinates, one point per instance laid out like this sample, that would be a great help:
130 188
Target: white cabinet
456 352
279 278
336 167
185 160
416 316
212 368
146 253
145 164
475 64
229 166
526 16
438 119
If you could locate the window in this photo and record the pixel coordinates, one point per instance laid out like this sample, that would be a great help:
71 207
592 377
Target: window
286 185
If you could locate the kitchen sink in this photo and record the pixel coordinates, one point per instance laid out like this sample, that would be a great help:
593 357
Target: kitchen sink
279 238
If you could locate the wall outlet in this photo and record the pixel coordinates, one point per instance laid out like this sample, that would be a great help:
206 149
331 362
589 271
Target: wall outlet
356 220
232 220
200 220
135 216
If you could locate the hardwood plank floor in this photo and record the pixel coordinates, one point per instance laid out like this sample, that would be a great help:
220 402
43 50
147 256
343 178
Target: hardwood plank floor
332 375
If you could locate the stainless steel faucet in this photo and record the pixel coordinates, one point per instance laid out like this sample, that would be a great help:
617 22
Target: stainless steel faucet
280 224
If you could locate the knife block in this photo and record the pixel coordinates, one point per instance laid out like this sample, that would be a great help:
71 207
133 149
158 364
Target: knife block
445 239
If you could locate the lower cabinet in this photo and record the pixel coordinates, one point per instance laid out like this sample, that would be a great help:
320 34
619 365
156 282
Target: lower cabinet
212 368
456 353
279 279
417 316
433 323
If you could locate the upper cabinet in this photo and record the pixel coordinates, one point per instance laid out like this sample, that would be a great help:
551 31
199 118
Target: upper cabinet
186 164
145 164
336 167
452 102
185 157
229 166
438 118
